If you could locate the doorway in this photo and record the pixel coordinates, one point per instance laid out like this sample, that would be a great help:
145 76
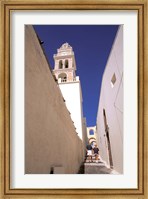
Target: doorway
108 139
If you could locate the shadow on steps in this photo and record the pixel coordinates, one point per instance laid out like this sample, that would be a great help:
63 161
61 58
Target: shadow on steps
81 170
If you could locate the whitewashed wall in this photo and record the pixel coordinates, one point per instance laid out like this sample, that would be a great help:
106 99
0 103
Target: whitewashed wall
111 99
73 98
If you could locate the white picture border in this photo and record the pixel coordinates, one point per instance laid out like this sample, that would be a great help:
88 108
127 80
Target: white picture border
129 178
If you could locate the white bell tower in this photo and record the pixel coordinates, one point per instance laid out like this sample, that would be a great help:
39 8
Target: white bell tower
69 83
65 65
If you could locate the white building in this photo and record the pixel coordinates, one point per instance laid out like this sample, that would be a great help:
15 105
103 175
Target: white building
110 110
92 135
69 83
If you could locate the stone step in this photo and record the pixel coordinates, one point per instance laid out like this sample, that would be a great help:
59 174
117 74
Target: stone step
94 167
96 161
89 159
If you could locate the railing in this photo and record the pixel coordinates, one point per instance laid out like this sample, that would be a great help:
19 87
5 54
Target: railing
62 80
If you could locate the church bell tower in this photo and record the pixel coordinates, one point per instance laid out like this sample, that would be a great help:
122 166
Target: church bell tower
69 84
65 65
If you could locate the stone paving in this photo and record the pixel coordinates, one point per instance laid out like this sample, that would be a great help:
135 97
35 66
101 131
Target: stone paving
94 168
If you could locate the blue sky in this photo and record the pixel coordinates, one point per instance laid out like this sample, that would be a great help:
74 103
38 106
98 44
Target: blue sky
91 45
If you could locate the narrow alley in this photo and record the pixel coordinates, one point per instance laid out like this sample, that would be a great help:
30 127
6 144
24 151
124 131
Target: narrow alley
57 133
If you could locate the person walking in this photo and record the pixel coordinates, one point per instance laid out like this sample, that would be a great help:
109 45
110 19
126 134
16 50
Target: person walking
89 151
96 152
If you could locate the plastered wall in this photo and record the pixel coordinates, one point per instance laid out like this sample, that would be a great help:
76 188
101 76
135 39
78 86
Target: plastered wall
111 100
51 142
72 94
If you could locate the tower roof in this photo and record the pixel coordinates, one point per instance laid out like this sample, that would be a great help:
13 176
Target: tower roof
65 46
65 49
65 59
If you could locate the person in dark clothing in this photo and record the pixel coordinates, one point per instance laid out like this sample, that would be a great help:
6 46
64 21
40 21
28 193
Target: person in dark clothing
96 152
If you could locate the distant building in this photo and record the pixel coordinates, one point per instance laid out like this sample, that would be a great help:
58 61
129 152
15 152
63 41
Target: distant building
110 110
69 83
92 135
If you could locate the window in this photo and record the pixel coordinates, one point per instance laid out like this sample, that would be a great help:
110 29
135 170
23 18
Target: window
66 64
91 132
60 64
113 80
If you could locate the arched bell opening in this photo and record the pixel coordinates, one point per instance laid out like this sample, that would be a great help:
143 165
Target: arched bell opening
91 132
63 77
60 64
66 63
